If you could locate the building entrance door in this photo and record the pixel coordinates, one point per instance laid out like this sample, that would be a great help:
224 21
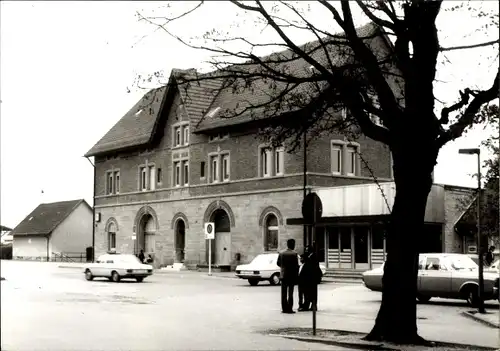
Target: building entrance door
361 255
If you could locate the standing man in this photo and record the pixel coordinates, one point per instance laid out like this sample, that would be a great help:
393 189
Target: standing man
289 264
312 278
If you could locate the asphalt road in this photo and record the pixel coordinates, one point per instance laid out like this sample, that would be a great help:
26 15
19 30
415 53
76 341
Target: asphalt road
50 308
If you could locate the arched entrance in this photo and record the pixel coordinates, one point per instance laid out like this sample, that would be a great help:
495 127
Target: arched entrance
221 245
180 240
145 235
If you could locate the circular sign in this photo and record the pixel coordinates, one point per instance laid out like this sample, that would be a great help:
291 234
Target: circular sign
209 229
312 208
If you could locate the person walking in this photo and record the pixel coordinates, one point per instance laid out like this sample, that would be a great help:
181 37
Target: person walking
289 264
141 256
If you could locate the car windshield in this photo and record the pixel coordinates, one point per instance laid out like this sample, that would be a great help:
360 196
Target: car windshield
264 259
462 262
128 259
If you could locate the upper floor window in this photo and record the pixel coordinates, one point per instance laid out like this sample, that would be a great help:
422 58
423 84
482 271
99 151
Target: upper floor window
147 177
279 161
265 157
218 136
225 167
159 175
112 182
214 168
186 135
336 158
202 169
185 172
344 158
177 136
177 173
351 160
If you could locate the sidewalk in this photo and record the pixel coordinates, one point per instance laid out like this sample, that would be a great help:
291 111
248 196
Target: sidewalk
490 318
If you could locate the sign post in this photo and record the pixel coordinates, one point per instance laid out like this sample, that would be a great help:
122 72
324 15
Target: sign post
209 235
312 209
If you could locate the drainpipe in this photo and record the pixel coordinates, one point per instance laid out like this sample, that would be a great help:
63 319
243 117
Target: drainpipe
48 256
93 210
305 185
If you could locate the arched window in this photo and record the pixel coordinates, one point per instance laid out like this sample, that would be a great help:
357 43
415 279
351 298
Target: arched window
271 233
112 236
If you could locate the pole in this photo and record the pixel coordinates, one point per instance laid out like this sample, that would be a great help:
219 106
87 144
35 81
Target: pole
209 256
479 241
315 286
93 212
305 183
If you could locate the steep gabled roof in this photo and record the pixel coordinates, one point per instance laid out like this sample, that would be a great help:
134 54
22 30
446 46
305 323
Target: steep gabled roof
46 217
259 93
137 129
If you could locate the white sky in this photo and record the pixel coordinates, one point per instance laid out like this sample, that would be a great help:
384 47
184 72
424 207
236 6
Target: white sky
65 69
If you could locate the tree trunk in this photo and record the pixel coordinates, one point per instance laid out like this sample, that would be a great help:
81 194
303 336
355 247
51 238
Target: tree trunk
397 317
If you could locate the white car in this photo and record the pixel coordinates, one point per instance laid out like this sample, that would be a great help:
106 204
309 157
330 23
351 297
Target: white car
264 267
116 267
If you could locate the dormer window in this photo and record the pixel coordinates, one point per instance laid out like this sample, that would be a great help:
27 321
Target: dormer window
212 112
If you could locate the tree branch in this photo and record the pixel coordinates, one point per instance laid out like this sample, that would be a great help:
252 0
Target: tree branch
470 112
377 20
471 46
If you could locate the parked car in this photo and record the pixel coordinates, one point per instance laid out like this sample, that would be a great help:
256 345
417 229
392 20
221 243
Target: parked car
494 268
117 266
264 267
453 276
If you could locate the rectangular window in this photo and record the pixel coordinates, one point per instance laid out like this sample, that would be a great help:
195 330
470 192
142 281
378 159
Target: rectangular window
117 182
202 169
225 167
265 160
110 182
336 159
159 175
186 135
177 173
351 160
152 178
185 172
143 178
111 241
279 160
214 168
177 136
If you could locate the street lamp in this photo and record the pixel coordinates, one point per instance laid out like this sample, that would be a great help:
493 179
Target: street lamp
477 151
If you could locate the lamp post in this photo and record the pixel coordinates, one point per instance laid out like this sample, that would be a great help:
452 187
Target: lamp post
477 151
93 211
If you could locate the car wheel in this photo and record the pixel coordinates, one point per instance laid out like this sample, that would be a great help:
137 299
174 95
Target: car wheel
88 275
423 298
115 276
275 279
472 297
253 282
139 279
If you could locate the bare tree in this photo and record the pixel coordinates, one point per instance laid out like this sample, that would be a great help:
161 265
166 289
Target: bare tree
385 70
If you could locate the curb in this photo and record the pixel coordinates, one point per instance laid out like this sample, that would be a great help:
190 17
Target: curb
472 316
355 345
372 345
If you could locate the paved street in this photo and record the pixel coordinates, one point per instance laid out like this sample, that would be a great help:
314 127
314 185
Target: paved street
50 308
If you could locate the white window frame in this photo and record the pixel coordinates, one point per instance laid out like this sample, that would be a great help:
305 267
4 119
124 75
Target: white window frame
152 177
116 179
337 147
185 132
279 161
177 173
177 136
226 167
185 172
143 178
214 168
265 161
350 152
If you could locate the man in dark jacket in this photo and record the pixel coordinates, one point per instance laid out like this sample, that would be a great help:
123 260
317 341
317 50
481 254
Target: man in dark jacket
289 264
311 278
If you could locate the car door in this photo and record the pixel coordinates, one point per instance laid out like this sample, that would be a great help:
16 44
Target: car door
435 278
108 267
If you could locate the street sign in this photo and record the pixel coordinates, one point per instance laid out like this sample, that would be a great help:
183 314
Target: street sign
312 208
209 230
